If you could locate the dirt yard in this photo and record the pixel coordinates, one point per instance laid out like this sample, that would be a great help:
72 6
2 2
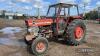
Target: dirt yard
12 44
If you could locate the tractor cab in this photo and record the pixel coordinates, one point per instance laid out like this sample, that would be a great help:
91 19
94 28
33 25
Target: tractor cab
61 14
62 10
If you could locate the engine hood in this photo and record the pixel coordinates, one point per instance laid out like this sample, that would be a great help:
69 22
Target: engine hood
38 22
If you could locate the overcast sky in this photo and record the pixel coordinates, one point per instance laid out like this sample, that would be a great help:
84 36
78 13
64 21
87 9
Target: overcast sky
30 6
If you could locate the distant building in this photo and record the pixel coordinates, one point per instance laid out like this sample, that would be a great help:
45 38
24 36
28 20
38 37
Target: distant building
2 13
11 15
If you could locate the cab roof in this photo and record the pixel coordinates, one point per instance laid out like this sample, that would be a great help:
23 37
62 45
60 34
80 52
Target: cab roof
64 5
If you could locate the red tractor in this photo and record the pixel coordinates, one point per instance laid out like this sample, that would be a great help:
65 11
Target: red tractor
61 23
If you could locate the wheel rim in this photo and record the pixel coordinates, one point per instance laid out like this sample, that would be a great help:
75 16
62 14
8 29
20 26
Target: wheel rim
40 47
79 32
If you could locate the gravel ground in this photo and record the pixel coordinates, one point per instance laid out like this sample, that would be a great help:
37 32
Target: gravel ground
13 44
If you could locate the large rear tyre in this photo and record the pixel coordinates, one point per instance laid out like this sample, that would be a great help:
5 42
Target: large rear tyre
39 46
76 32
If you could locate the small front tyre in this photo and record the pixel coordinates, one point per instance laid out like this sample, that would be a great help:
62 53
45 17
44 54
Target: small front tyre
39 46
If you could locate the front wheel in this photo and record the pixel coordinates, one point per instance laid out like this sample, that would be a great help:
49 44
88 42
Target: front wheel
76 32
39 46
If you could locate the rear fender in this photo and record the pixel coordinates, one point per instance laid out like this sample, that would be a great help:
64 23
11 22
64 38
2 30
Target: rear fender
71 18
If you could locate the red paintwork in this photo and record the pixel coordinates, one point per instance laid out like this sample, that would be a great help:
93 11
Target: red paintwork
71 18
40 46
48 21
39 22
98 19
77 17
78 32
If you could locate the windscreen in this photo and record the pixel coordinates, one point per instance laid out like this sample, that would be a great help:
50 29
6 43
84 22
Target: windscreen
73 11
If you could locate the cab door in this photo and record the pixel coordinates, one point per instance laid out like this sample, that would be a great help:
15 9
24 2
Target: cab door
61 25
61 21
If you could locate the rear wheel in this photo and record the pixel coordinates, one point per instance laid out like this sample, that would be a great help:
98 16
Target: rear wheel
39 46
76 32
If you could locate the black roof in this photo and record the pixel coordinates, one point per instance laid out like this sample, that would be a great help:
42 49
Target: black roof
65 5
